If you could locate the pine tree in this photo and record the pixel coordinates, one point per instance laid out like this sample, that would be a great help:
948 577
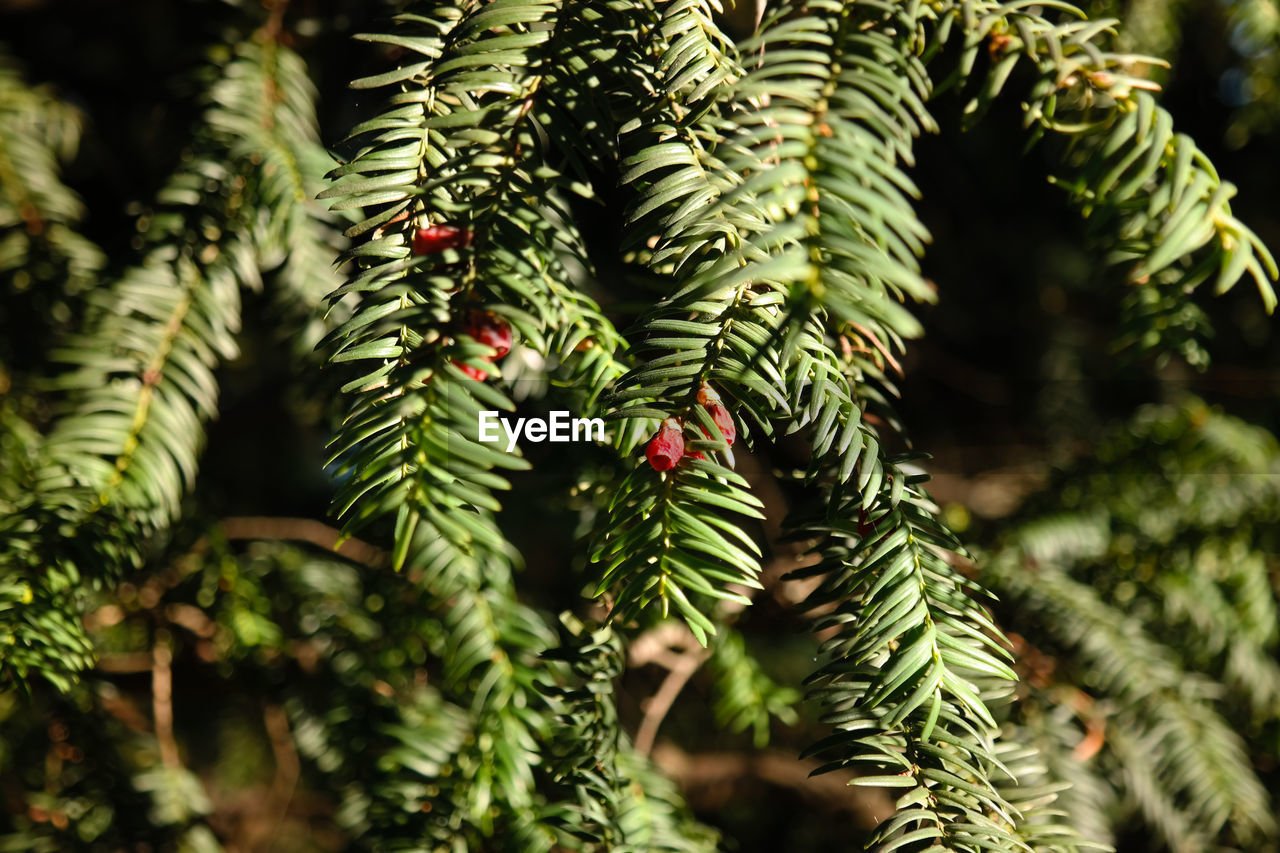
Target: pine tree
704 230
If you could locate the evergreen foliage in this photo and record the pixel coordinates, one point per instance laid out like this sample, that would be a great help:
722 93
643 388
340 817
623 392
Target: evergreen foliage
1184 502
660 212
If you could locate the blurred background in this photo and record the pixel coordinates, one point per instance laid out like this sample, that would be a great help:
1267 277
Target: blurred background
261 664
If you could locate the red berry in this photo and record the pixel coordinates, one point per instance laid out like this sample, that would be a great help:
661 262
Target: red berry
710 400
491 330
665 449
473 372
866 527
437 238
724 420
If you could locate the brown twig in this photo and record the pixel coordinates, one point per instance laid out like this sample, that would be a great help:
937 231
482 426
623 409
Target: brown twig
682 668
1094 739
162 700
713 776
671 646
122 708
655 645
257 527
275 18
866 334
288 769
302 530
192 618
126 663
150 596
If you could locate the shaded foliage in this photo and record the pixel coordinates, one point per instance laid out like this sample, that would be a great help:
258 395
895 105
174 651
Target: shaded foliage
666 217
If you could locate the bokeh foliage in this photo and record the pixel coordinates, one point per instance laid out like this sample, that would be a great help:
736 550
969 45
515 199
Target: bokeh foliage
481 660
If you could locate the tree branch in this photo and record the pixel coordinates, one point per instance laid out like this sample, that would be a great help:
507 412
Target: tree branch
709 778
162 700
681 669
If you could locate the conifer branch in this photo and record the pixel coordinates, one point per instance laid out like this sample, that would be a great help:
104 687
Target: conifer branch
1151 197
141 386
1152 688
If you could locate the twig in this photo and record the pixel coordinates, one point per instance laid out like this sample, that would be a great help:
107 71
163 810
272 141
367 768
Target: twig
671 646
122 708
866 334
655 645
656 707
302 530
234 528
714 775
126 663
192 618
275 20
1094 739
162 700
287 768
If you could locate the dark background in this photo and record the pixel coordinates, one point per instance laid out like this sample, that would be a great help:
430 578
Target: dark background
1016 370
